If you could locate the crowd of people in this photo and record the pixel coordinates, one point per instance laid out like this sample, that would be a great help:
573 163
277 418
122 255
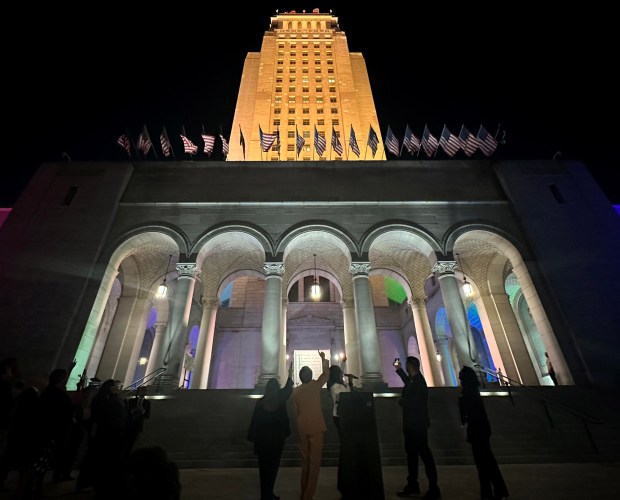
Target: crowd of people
45 431
269 428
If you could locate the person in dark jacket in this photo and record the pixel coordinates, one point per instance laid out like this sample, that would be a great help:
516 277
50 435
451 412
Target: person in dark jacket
474 416
268 430
414 404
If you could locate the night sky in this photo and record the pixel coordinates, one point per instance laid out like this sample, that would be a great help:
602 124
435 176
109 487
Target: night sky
75 79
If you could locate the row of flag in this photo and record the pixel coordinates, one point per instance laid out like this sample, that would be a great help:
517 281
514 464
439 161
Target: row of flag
450 143
144 144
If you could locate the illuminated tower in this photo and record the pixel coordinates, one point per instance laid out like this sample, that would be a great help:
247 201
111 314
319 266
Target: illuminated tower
304 76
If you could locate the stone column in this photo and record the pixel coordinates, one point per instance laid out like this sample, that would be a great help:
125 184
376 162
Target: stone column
351 341
449 375
204 348
283 350
272 315
514 336
372 378
424 336
152 365
176 334
457 317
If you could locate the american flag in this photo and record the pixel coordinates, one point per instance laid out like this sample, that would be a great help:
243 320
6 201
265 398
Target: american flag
469 143
411 142
319 142
242 141
391 143
449 142
209 141
353 142
336 146
266 140
144 142
123 141
166 147
373 141
225 148
188 146
299 141
429 142
486 142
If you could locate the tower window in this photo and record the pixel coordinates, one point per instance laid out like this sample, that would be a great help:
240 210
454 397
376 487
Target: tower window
335 121
291 111
306 122
290 147
333 99
334 111
332 88
277 111
306 111
306 133
276 122
319 111
320 122
291 123
291 134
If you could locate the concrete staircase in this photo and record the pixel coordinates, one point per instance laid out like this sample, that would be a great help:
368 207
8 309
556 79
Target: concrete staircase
205 429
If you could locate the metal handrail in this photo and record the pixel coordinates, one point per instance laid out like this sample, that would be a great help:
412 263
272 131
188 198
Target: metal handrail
147 378
590 419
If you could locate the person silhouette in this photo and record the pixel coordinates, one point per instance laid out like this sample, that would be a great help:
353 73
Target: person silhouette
310 426
268 430
474 416
416 421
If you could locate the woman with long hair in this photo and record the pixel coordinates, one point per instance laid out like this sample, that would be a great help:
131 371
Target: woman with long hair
474 416
268 430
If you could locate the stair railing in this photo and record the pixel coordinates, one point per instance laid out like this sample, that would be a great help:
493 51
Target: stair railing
149 377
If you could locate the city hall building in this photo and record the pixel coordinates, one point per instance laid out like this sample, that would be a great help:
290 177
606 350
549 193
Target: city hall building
220 272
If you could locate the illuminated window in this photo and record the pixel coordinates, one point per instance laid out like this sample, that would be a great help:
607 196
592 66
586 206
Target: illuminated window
305 99
278 99
305 89
279 71
319 99
292 79
331 79
278 89
290 158
291 98
319 88
280 52
304 79
291 88
304 45
307 132
332 88
330 71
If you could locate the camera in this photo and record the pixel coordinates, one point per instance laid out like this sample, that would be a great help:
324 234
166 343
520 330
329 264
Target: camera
396 361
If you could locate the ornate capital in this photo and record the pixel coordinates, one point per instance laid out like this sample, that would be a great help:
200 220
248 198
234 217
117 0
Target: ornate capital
347 303
445 267
187 270
359 268
210 302
273 269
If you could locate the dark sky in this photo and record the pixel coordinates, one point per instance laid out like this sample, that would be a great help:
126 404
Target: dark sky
74 79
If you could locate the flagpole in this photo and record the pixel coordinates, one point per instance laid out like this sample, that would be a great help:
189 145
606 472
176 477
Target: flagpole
366 150
151 142
384 153
440 136
403 145
499 125
133 144
331 146
346 154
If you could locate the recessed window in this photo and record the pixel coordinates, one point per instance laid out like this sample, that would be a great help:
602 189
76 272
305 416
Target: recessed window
291 111
306 111
321 122
277 111
333 99
335 121
319 111
291 123
332 89
276 123
291 88
306 133
291 134
319 88
290 147
306 122
334 111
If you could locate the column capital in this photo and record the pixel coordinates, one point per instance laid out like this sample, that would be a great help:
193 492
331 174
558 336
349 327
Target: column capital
284 303
273 269
210 302
445 267
417 302
188 270
158 326
443 341
359 268
347 303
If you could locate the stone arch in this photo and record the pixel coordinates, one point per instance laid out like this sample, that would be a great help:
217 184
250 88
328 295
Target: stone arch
316 226
234 227
145 254
488 257
425 241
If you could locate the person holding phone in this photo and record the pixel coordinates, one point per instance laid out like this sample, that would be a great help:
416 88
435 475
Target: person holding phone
414 404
